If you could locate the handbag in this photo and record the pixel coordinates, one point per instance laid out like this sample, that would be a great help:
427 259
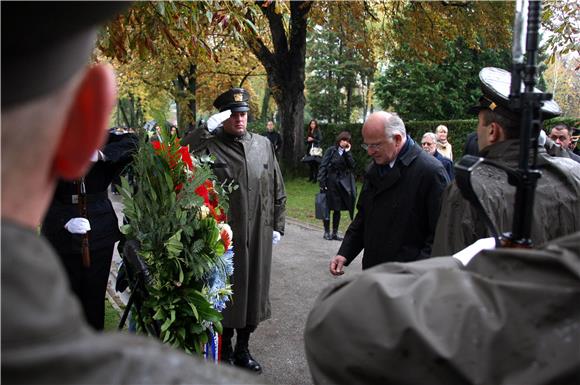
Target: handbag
321 210
315 151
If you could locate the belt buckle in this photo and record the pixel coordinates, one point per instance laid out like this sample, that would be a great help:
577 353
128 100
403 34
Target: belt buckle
75 198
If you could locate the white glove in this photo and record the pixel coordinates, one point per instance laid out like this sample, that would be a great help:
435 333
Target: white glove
78 225
465 255
276 237
215 120
542 138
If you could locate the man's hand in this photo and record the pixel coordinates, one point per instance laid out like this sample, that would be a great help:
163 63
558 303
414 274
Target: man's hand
337 265
276 237
215 120
78 226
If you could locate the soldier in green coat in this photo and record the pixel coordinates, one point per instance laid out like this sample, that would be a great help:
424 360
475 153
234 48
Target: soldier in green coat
256 216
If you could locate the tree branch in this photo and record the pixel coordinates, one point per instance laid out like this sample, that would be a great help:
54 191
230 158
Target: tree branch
277 30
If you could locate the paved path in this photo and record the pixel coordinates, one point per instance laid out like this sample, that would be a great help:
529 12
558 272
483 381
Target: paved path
299 272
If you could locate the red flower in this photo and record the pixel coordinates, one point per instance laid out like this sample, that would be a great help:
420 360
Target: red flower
225 238
185 157
202 192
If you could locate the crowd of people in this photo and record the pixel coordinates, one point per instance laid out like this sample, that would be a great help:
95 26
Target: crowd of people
423 313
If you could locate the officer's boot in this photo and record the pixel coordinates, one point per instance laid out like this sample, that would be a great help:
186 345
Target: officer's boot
242 357
335 223
227 352
326 235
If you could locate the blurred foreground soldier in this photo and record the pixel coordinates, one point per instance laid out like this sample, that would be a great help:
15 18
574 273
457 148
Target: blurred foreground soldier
55 111
557 200
256 215
511 316
66 230
399 202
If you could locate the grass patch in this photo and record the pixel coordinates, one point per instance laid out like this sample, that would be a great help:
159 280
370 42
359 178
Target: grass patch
300 202
112 317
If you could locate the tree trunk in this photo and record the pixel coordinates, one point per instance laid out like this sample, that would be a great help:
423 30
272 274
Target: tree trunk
349 88
285 72
265 103
186 104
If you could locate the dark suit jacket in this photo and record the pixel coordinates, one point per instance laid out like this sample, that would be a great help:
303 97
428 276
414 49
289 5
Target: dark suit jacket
397 212
101 215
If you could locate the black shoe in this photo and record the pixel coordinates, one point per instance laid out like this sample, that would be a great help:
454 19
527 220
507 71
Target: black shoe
327 236
336 237
243 359
227 356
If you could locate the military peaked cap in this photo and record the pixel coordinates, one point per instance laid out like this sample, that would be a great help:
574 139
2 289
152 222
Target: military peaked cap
235 100
495 86
46 43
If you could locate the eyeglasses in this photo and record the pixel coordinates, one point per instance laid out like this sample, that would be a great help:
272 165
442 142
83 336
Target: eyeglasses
562 138
373 146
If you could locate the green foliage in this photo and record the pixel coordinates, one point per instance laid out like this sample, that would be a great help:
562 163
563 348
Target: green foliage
421 90
179 241
335 72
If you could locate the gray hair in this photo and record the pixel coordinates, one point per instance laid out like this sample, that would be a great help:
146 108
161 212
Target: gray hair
441 127
430 135
393 124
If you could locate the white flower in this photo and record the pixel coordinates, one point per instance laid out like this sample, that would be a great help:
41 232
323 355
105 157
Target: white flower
203 212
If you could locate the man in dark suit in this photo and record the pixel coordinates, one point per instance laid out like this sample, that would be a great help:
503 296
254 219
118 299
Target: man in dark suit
400 199
429 144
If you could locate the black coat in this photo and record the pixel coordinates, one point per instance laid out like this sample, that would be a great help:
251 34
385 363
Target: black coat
101 215
337 180
397 212
276 140
447 163
317 136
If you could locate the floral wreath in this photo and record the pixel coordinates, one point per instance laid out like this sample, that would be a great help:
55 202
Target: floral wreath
176 210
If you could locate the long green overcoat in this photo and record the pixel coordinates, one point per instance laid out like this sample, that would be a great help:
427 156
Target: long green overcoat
256 209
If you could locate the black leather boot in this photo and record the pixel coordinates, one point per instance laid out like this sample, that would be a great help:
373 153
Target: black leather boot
243 359
227 352
242 356
335 224
326 224
227 356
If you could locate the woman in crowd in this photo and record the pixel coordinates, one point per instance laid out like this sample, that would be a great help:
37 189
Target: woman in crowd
173 131
443 146
313 140
336 179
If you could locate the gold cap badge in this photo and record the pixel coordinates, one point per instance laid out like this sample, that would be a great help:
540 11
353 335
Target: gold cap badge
238 97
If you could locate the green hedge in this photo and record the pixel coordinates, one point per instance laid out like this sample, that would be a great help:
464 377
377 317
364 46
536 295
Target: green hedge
458 131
